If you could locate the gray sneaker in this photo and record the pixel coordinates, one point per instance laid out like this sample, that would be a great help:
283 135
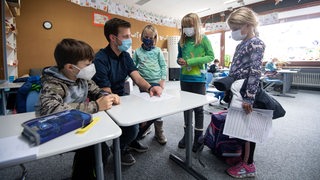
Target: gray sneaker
137 146
127 159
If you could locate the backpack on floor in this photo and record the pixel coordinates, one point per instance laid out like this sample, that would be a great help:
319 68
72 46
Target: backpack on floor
220 144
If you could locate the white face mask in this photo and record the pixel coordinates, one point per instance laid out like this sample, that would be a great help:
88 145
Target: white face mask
237 36
189 31
87 72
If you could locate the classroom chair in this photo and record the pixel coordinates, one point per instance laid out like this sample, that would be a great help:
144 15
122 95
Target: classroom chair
31 91
210 89
268 83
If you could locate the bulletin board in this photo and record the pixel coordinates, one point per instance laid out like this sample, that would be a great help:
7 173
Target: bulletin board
36 45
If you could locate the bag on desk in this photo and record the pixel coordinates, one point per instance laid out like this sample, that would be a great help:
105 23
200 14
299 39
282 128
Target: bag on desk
42 129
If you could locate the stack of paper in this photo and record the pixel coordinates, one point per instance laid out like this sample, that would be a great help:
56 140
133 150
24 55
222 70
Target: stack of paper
254 127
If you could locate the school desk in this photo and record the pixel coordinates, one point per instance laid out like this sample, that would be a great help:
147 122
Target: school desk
105 129
134 109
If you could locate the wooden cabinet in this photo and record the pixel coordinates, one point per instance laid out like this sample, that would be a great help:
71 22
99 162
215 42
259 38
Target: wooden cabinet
9 42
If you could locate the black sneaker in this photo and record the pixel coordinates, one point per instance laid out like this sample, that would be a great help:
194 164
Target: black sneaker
182 143
197 147
127 159
137 146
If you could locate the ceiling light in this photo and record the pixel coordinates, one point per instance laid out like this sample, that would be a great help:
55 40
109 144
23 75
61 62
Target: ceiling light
203 10
142 2
240 2
229 1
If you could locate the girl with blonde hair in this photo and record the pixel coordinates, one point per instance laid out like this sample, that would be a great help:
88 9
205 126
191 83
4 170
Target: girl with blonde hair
246 64
152 67
194 52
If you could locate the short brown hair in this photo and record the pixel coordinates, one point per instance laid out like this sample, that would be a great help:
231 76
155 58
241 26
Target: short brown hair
112 27
72 51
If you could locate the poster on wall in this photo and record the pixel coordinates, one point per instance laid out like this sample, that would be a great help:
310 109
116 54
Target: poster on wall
102 5
100 19
114 7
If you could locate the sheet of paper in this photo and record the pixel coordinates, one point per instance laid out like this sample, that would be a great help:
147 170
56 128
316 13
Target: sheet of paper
14 150
254 127
146 96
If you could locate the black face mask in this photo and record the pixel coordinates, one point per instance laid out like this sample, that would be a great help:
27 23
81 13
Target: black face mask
147 44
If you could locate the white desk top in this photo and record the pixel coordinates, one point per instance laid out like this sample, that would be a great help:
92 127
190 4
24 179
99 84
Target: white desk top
134 109
10 85
287 71
105 129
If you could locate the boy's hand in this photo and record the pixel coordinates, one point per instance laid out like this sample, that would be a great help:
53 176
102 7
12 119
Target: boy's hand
116 100
105 102
155 91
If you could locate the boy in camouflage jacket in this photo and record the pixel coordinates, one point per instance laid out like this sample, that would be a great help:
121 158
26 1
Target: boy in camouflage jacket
69 86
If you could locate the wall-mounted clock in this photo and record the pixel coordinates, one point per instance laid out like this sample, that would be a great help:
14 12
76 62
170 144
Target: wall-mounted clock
47 25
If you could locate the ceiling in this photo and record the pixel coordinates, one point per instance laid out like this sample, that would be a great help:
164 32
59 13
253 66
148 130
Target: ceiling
178 8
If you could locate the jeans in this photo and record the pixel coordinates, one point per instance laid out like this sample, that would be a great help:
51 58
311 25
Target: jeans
198 88
129 134
143 129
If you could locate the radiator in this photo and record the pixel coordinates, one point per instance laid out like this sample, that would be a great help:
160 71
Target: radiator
306 79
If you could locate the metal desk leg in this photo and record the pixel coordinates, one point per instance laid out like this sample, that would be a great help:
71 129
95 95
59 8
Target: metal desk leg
186 165
189 128
117 159
285 84
285 87
99 164
4 103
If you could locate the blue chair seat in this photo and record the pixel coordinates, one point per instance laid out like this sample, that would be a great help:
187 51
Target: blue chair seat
218 94
267 83
32 99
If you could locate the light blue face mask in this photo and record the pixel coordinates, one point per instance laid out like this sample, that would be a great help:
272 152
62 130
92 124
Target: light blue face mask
125 44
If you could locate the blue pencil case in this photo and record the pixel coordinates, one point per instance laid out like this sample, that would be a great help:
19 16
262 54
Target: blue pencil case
42 129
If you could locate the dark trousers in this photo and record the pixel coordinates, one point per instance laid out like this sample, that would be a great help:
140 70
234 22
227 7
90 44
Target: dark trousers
129 134
84 162
143 129
198 88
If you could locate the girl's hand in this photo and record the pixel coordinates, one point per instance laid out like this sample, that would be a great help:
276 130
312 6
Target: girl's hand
182 62
161 83
247 107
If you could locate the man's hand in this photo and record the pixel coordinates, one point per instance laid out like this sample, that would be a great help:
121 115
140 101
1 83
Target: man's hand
105 102
155 91
247 107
